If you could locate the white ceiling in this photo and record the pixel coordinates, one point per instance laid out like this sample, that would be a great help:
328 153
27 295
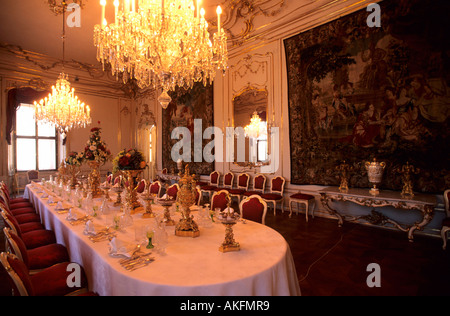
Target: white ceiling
32 25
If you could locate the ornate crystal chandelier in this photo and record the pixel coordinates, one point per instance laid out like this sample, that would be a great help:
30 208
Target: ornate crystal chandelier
256 128
62 108
161 42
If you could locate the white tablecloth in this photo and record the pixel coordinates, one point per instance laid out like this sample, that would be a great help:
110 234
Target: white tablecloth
191 266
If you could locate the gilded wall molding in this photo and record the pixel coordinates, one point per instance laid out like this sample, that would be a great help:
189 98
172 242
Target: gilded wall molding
42 71
245 13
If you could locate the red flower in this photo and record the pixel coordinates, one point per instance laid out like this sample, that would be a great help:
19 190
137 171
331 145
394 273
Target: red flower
124 161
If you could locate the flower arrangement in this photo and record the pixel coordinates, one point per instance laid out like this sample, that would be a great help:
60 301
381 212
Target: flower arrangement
131 159
75 159
96 149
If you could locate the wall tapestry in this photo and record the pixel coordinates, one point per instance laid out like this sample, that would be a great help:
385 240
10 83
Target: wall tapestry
358 93
188 105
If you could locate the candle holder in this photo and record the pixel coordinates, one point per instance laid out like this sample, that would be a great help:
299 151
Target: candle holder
229 219
406 171
167 203
148 198
106 189
119 191
344 169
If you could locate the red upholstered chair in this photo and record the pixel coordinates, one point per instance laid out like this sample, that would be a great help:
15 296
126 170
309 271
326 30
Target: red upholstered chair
242 186
201 183
17 204
4 192
300 198
37 258
214 180
18 211
25 227
155 188
259 186
34 235
228 181
276 193
51 281
118 180
164 171
141 186
32 175
109 179
446 222
254 208
172 191
220 199
22 215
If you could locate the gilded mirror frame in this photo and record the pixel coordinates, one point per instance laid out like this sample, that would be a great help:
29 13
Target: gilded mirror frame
239 122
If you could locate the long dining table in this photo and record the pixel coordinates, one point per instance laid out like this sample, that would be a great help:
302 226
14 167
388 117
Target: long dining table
264 266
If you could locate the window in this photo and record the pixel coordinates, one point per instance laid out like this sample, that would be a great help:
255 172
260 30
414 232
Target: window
35 142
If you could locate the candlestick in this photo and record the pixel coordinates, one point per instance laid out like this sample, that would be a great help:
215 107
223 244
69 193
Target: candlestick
103 4
219 12
116 5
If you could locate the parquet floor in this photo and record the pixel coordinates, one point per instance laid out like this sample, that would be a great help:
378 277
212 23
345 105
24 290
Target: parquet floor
332 261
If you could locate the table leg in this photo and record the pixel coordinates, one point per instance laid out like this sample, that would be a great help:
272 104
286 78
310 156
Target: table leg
325 202
427 212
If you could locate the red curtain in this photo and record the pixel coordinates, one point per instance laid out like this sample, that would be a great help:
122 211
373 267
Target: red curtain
15 98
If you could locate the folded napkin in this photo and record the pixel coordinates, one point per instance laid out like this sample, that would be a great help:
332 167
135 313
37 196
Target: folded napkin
73 215
92 229
61 206
121 248
50 200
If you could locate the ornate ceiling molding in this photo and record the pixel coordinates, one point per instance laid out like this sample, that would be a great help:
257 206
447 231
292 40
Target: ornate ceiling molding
245 13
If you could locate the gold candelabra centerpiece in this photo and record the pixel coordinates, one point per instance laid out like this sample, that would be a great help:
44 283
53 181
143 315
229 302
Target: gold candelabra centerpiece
229 218
187 227
344 169
131 181
407 171
63 173
160 42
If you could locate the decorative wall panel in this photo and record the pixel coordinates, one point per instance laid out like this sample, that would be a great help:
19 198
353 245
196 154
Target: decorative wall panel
358 93
187 106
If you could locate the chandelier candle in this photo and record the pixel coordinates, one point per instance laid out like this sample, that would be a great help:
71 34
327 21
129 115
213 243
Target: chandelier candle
161 44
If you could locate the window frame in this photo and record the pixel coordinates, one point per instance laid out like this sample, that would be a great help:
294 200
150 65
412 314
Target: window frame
36 138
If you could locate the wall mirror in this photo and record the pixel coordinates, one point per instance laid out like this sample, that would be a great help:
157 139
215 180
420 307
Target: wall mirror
246 105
